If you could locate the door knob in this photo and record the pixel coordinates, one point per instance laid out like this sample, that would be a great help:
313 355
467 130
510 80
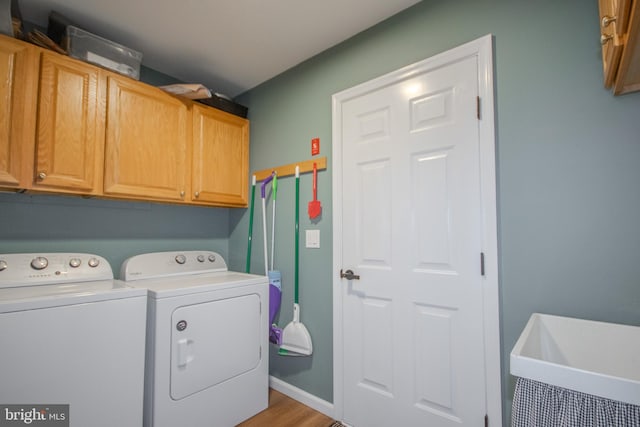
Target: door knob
349 275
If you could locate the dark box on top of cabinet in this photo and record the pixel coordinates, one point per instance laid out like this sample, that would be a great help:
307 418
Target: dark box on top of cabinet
225 105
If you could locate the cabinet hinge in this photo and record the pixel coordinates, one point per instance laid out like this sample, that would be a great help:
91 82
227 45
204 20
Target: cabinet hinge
482 263
486 420
478 107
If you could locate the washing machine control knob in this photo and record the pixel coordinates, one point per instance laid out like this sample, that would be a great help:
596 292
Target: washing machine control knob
74 262
38 263
3 265
93 262
200 258
212 258
181 259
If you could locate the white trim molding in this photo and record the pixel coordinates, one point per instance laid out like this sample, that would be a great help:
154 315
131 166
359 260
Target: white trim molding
302 396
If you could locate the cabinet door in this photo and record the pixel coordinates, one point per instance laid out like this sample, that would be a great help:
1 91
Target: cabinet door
70 134
628 76
612 24
220 163
146 145
18 91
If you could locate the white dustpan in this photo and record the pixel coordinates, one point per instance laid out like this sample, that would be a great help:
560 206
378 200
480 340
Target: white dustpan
295 337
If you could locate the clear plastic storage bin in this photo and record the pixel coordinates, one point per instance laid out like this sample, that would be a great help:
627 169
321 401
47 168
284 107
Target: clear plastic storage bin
89 47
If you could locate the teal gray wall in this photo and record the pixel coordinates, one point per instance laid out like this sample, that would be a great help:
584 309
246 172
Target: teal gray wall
115 230
567 163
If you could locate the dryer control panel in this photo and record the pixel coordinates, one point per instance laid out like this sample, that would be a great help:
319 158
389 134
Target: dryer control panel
28 269
167 264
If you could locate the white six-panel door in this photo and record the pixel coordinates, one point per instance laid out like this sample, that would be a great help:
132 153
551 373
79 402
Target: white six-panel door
412 325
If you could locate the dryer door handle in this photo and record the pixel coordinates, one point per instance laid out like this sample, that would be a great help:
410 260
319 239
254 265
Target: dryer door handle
185 352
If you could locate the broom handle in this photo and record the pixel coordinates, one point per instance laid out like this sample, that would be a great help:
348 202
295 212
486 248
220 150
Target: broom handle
297 233
250 238
264 227
274 191
263 194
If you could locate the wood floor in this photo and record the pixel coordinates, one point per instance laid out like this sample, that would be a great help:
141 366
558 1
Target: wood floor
286 412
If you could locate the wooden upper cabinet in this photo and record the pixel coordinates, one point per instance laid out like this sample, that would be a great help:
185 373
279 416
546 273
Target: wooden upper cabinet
147 138
70 140
220 157
628 77
18 92
620 37
71 127
611 37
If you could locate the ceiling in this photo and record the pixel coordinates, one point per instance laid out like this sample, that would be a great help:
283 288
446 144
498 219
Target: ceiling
229 46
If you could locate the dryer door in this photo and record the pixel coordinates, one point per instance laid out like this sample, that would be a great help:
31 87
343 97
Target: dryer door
212 342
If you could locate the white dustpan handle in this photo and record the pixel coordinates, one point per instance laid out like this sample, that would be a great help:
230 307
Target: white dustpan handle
296 313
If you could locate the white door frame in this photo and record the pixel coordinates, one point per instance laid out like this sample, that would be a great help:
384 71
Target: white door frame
483 49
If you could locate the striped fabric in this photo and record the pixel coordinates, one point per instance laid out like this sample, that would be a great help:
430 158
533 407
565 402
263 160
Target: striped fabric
537 404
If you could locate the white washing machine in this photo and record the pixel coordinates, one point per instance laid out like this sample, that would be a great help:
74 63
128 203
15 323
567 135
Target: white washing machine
71 335
207 339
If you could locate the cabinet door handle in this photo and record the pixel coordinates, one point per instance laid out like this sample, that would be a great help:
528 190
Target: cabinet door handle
197 194
182 194
605 38
42 175
607 20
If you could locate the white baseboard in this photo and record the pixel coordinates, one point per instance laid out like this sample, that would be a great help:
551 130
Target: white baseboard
302 396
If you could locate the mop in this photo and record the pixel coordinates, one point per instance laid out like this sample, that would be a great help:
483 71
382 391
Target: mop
274 293
296 340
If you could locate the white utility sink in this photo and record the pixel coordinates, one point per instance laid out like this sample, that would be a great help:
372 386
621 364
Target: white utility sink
597 358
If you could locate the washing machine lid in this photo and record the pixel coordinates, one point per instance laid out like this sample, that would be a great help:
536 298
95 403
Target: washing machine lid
36 297
166 287
170 274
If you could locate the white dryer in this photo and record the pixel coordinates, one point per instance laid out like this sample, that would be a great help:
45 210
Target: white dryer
71 335
207 339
